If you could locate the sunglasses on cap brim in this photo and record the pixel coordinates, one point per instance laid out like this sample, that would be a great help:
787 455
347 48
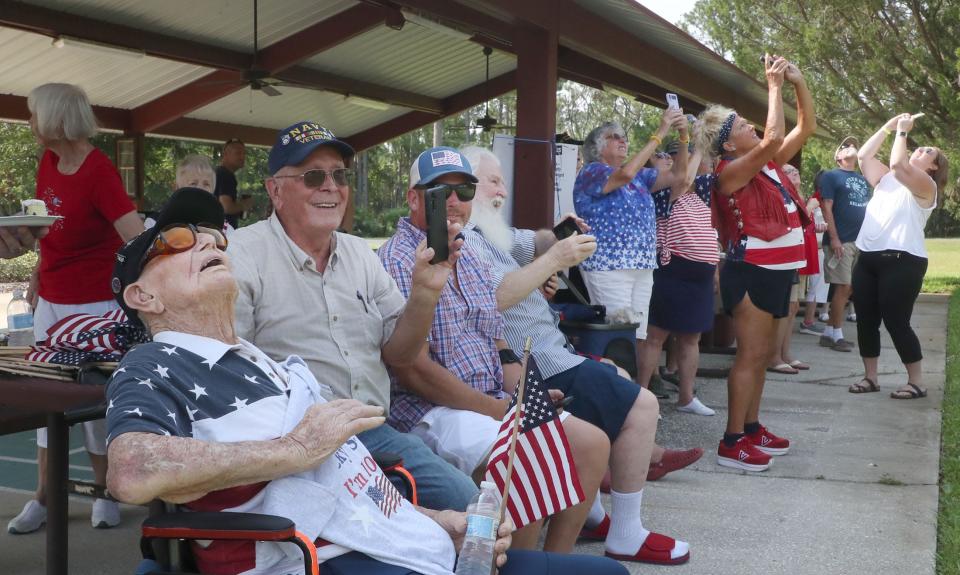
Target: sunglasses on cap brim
465 191
177 238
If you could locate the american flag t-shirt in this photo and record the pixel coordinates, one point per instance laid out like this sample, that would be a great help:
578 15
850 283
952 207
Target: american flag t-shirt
544 480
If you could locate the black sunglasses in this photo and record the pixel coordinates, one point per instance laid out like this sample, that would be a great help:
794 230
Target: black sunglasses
316 178
465 191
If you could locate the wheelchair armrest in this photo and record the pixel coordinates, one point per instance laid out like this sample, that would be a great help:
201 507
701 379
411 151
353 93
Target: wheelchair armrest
213 525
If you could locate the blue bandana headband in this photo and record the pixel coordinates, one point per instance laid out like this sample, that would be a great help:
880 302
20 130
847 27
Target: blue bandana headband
725 132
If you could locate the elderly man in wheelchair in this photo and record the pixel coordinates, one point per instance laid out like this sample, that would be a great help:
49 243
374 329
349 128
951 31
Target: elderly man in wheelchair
203 419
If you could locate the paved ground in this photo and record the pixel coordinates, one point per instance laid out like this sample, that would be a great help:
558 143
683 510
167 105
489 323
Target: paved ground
857 494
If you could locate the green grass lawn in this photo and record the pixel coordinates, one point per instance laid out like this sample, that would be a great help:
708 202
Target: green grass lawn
948 525
943 271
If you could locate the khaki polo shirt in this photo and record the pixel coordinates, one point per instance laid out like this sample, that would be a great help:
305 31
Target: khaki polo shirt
337 321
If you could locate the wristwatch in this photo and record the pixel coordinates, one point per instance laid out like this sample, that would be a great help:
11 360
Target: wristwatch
902 133
507 356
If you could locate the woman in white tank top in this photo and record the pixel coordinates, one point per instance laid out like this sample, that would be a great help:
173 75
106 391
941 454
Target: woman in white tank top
893 259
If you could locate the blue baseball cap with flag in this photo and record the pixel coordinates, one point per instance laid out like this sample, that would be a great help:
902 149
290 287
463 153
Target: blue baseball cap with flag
296 142
438 161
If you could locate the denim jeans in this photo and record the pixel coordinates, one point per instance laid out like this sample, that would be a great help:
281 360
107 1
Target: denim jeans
439 485
518 563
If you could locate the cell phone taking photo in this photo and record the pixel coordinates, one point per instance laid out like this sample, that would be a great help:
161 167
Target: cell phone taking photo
673 101
566 228
435 203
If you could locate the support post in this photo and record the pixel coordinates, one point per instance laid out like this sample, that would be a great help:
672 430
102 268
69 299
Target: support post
533 177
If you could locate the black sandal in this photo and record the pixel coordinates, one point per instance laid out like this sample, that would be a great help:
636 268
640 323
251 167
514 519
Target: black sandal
860 388
913 392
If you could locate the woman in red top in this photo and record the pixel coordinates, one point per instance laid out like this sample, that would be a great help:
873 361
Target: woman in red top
77 181
760 220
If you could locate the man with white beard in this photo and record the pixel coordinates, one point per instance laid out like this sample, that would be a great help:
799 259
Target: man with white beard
601 396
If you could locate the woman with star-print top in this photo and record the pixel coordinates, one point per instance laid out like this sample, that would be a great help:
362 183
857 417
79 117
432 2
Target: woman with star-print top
612 193
760 221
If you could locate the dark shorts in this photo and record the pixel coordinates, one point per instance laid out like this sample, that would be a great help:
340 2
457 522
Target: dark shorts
600 396
518 563
769 290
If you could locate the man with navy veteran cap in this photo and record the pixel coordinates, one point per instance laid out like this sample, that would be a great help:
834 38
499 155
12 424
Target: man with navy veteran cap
307 290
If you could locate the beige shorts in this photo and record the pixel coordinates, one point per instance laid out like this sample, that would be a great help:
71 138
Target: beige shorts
839 271
799 290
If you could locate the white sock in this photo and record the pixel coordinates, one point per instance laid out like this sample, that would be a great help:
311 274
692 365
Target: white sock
627 534
596 514
828 332
837 333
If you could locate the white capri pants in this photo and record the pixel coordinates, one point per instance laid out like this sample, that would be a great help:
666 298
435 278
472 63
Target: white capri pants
618 289
47 314
461 438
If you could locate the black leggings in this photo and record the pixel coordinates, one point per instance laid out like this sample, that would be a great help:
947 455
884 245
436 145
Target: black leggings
885 287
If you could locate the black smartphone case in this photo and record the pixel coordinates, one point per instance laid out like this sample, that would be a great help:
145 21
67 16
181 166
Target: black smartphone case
436 211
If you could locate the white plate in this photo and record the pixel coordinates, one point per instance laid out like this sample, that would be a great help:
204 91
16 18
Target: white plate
28 221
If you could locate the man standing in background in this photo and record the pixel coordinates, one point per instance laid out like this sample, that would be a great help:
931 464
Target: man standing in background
845 195
233 158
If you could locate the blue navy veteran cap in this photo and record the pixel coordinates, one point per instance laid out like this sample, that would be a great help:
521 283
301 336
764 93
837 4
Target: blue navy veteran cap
438 161
296 142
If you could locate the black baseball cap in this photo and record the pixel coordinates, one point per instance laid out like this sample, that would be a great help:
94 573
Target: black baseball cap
185 206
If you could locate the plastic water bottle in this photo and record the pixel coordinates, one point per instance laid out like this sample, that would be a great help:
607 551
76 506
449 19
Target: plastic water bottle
19 321
483 520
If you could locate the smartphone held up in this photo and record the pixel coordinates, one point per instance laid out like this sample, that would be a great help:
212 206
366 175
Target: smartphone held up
435 200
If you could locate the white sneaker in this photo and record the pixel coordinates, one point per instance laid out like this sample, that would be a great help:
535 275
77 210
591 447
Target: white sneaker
106 514
852 316
30 519
696 407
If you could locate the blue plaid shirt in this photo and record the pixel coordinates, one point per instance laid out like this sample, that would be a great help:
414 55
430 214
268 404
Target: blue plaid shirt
464 327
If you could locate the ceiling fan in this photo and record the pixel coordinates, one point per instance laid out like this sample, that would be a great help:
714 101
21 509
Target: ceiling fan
258 78
487 123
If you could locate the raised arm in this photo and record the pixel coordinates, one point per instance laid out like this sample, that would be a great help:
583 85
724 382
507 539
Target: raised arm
806 117
566 253
146 466
741 170
917 180
625 174
677 174
872 168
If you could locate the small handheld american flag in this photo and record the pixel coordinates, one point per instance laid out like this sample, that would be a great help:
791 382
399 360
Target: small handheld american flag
541 474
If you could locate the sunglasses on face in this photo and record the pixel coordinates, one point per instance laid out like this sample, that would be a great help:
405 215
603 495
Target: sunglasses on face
177 238
465 191
316 178
663 156
619 137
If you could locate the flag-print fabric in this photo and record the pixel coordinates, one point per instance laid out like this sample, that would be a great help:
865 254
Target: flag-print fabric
82 338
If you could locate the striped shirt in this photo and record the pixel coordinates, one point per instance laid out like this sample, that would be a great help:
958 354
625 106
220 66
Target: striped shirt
532 317
783 253
685 228
464 328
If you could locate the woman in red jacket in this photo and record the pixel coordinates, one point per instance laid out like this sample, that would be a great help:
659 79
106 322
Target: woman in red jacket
760 219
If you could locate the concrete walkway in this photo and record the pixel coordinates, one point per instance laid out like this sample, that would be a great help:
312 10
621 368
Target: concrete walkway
857 493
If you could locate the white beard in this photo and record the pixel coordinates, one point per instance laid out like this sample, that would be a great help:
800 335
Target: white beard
492 226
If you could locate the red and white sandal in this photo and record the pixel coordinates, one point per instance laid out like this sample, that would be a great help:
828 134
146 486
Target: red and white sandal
655 549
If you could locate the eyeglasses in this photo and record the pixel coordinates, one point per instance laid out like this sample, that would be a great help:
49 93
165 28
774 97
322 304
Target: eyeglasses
316 178
465 191
663 155
177 238
616 136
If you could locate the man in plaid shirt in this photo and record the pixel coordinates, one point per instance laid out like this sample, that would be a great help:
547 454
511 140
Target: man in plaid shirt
455 394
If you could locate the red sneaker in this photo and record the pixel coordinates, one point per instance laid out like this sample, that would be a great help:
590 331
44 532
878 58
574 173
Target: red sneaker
743 455
598 533
672 460
768 442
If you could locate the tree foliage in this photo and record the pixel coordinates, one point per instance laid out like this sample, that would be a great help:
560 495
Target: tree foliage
865 61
